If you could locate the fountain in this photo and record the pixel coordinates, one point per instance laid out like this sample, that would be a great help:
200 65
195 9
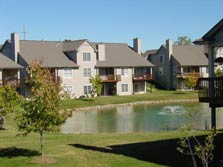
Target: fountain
172 110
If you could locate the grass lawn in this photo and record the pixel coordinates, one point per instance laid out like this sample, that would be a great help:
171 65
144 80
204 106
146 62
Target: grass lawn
102 150
155 96
97 150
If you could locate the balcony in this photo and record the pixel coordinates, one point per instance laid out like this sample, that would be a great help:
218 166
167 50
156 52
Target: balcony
185 75
210 90
143 77
110 78
14 82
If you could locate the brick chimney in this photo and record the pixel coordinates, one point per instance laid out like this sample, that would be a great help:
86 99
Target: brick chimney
15 46
137 45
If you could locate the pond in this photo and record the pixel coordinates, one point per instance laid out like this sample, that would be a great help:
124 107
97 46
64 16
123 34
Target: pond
142 118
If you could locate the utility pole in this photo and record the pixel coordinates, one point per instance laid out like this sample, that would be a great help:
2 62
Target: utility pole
24 32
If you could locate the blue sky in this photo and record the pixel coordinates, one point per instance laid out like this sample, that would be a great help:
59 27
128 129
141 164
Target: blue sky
119 21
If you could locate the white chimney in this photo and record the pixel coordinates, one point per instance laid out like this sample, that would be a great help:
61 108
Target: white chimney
137 45
15 46
169 47
101 52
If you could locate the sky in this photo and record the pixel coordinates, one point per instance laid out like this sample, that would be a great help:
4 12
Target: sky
119 21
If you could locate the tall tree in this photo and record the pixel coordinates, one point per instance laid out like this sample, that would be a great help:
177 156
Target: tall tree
42 111
96 85
183 40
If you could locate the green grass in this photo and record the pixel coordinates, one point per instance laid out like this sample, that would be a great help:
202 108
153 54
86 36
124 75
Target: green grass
96 150
103 100
102 150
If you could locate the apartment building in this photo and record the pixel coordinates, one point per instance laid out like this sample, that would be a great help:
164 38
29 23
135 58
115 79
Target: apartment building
9 72
122 70
173 63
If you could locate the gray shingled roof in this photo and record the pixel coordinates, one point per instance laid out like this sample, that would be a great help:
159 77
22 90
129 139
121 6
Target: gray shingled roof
72 45
190 55
121 55
6 63
150 52
48 52
210 34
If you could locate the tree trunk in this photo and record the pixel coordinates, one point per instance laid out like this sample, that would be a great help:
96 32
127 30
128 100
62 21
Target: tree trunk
192 153
41 144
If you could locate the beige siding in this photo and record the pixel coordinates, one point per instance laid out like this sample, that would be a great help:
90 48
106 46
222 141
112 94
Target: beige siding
78 81
125 80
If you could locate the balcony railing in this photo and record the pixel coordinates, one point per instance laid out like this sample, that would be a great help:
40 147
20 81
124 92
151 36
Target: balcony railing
143 77
210 90
184 75
110 78
13 82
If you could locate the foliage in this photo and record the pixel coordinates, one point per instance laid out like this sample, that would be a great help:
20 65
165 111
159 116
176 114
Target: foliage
190 145
42 111
191 80
67 40
183 40
218 72
10 101
150 87
96 85
193 147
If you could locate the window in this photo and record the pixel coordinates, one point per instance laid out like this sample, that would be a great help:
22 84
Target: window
124 87
67 73
87 90
161 72
161 59
86 56
67 88
124 71
87 72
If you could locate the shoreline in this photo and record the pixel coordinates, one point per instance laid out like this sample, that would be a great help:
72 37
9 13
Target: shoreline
133 103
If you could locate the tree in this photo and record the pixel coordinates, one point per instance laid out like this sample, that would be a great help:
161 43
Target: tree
183 40
190 145
218 72
42 111
10 101
96 85
191 80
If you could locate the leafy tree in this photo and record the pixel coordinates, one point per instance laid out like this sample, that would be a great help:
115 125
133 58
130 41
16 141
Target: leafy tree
42 111
67 40
218 72
191 80
183 40
10 101
96 85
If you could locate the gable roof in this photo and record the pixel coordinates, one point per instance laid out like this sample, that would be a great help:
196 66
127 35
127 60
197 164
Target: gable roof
190 55
150 52
210 34
6 63
49 53
213 31
72 45
121 55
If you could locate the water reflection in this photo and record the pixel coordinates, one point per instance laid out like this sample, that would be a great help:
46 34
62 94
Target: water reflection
138 118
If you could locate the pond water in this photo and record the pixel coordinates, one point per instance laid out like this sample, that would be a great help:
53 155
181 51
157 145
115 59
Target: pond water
141 118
